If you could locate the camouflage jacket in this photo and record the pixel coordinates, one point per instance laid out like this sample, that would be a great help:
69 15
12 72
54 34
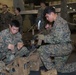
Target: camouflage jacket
40 18
19 18
7 38
5 19
59 33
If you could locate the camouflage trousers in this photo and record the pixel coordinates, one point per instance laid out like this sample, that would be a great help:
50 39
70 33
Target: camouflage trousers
60 54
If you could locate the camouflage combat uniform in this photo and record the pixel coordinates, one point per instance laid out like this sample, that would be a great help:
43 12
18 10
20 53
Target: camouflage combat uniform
60 47
7 38
19 18
40 18
5 19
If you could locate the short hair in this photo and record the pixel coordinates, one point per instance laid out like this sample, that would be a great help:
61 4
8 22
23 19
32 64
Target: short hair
18 9
15 23
48 10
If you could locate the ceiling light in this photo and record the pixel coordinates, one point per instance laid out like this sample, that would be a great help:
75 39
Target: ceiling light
73 9
70 8
53 7
67 6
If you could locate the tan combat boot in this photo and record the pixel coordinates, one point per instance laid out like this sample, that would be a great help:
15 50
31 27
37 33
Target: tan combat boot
50 72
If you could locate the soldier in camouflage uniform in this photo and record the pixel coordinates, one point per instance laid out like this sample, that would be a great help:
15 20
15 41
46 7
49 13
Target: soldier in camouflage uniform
11 43
59 44
5 17
40 16
18 17
32 17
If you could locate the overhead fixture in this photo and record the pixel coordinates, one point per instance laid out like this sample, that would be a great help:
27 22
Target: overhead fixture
73 9
67 6
70 8
54 7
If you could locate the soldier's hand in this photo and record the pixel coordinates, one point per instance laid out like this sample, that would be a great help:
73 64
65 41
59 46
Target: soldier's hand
48 26
40 36
11 47
20 45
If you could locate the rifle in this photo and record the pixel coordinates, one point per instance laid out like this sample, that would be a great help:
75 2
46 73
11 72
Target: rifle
14 63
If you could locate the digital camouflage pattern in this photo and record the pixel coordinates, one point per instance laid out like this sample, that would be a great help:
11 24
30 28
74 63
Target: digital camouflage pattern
60 47
7 38
5 19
